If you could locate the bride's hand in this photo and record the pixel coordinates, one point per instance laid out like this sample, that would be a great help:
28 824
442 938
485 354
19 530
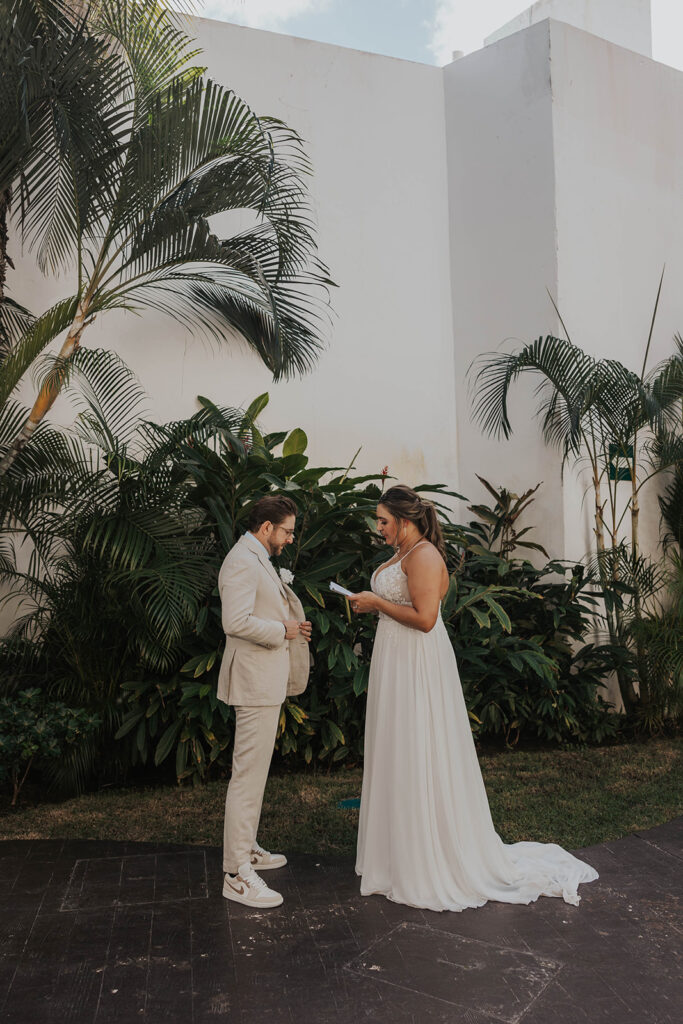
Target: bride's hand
366 601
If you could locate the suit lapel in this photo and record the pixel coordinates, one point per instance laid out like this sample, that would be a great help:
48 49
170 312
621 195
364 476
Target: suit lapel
295 605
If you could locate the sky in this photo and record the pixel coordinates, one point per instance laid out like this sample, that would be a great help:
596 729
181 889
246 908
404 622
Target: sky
421 30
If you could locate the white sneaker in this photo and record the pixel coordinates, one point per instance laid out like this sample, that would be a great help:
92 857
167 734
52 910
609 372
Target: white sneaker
248 888
262 860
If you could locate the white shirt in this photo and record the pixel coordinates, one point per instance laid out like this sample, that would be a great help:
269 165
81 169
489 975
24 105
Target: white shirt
253 535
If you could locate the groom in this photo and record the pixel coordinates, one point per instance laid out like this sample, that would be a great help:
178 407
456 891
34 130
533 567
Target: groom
266 659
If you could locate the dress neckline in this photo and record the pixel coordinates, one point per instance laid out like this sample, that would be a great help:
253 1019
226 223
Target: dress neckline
378 572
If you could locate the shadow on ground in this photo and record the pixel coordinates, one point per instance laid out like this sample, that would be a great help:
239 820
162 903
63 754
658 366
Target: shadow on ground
101 932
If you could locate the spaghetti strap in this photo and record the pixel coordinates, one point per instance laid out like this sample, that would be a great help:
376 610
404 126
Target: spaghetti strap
411 550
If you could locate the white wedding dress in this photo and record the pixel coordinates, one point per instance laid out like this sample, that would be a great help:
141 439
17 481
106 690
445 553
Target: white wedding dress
426 837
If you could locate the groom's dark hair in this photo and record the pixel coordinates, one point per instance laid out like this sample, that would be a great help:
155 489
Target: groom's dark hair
273 508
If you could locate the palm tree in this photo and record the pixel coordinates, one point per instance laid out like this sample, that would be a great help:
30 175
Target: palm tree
186 149
119 569
58 114
600 413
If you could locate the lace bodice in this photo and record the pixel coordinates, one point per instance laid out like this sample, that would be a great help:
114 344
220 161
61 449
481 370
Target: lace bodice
391 584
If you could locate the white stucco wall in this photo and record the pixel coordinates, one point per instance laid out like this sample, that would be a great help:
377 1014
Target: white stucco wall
619 209
503 251
624 22
374 129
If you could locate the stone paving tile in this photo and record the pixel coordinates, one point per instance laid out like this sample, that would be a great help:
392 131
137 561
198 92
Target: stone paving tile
500 982
122 932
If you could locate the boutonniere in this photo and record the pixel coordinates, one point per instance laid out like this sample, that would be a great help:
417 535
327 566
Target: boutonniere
287 576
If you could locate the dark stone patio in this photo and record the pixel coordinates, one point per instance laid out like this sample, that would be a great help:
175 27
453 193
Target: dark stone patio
100 932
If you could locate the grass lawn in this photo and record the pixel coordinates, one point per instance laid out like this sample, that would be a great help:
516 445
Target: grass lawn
575 798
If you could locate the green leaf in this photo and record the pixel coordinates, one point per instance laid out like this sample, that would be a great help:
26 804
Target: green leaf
317 597
296 443
200 669
336 731
129 723
323 622
499 613
360 680
165 744
481 617
255 409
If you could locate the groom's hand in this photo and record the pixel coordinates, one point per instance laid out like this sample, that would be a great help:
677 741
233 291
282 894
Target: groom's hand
306 628
291 628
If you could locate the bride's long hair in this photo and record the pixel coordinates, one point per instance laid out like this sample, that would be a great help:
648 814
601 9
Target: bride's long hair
405 503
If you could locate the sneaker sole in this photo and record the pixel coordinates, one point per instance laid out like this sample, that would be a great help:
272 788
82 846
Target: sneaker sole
265 904
269 867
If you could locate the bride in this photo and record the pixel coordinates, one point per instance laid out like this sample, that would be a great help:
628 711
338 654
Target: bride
426 837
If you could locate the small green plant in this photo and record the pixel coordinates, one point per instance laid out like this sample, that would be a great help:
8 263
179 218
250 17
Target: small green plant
499 524
33 729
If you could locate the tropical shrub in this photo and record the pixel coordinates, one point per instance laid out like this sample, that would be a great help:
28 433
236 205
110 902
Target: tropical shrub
119 564
228 471
528 671
35 730
125 616
515 633
659 633
623 425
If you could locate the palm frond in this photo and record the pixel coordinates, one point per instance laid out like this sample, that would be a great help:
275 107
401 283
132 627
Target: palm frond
187 126
15 321
43 330
111 393
151 37
664 391
567 388
60 126
671 507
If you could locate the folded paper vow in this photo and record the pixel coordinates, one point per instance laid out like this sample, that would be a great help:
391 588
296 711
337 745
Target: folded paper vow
336 589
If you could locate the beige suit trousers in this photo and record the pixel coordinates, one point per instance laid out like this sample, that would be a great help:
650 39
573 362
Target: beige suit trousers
255 730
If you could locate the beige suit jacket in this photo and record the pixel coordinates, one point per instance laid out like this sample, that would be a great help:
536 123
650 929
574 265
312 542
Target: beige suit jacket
259 666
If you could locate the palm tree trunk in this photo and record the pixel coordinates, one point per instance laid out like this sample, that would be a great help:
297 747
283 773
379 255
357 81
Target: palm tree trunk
635 505
5 202
599 530
626 689
48 393
641 658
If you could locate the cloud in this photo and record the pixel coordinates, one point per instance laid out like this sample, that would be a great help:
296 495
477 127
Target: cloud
445 31
268 14
464 26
